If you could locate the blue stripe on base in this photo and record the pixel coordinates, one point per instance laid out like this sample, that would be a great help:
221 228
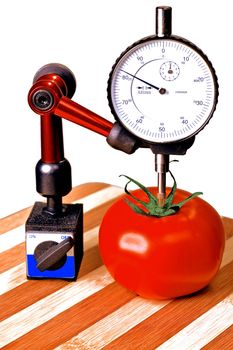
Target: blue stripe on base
66 271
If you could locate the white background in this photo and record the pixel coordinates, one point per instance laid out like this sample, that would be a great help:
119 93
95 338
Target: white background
88 36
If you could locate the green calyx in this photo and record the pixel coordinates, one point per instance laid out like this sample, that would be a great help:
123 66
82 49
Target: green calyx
152 207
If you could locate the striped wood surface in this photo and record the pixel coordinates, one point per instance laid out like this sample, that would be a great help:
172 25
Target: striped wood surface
95 312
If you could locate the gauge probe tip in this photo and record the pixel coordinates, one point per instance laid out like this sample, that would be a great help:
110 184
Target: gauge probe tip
161 167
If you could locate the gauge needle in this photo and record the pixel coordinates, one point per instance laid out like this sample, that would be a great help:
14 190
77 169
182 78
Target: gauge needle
162 91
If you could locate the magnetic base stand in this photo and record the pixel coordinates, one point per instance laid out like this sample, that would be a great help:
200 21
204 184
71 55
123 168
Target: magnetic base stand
54 244
54 236
54 231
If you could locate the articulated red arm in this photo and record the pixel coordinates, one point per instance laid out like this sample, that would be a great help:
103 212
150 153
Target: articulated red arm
80 115
50 97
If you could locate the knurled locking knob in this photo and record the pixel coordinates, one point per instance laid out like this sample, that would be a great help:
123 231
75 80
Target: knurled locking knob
52 255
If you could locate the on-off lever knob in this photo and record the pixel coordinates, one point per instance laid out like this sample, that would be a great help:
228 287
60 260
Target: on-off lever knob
54 253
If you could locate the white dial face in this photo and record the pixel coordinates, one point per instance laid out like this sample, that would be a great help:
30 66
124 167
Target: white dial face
163 90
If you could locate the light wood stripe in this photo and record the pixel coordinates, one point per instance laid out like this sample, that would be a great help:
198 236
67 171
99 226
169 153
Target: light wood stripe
223 341
109 328
91 238
100 197
205 328
12 278
12 238
47 308
16 236
228 252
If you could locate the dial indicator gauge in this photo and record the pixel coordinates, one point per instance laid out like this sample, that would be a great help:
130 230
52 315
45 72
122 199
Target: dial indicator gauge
163 89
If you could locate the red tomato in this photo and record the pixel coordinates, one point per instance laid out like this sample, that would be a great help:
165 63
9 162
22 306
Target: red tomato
165 257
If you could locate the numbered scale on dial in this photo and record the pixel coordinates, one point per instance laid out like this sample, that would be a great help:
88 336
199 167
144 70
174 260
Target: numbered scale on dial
163 89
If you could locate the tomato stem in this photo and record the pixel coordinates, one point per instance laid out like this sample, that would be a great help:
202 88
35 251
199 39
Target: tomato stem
153 207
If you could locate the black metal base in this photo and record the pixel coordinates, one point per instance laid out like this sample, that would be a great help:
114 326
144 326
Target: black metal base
44 230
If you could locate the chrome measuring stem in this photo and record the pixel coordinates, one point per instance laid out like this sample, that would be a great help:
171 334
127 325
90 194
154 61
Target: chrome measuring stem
161 167
163 21
163 27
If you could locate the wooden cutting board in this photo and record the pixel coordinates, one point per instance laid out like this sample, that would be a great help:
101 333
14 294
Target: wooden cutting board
95 312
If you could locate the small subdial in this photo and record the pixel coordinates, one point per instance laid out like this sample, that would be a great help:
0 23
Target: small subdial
169 71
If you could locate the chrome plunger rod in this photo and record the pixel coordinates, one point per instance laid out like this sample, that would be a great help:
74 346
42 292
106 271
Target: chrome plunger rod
161 167
163 22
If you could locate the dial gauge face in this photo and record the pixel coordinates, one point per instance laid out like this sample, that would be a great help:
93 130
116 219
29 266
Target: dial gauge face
163 90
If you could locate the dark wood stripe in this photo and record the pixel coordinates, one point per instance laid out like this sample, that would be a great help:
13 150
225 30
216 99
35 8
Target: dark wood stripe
84 190
178 314
18 298
12 257
12 221
223 341
228 226
94 217
74 320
